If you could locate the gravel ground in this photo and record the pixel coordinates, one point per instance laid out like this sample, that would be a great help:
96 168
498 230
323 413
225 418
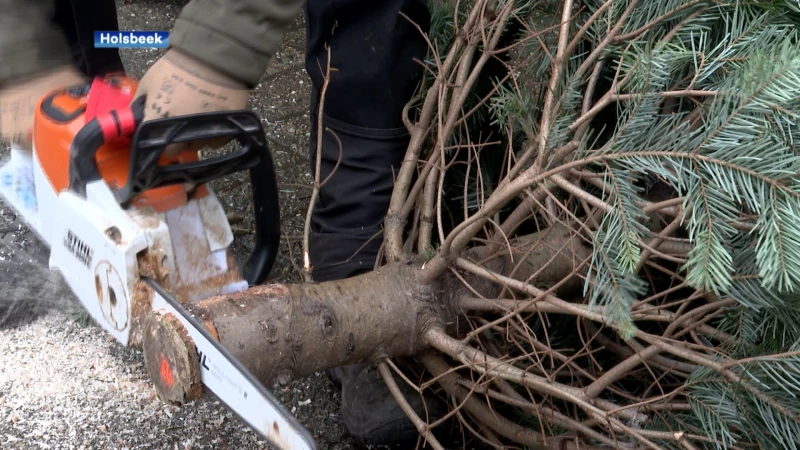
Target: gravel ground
64 384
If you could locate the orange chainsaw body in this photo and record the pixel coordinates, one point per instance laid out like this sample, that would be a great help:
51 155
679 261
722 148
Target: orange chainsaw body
61 115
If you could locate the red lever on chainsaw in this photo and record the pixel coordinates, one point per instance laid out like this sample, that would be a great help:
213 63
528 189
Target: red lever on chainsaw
109 103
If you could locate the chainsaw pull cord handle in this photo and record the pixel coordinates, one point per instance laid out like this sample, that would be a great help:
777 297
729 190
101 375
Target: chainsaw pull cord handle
149 139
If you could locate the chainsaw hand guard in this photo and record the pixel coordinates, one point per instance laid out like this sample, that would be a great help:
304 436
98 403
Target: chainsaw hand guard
150 139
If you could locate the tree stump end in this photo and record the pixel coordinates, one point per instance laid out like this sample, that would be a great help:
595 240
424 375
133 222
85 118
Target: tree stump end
171 358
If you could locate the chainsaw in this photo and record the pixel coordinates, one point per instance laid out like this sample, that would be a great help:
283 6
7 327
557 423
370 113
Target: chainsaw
133 230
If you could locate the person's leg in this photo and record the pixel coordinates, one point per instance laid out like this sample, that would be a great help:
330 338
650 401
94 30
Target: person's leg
373 50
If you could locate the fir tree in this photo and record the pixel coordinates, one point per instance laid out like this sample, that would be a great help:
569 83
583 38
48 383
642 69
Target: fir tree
695 101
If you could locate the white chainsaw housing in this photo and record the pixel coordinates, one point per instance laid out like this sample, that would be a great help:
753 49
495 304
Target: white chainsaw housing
98 247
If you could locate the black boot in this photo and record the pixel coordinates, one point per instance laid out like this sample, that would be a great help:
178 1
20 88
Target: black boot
371 414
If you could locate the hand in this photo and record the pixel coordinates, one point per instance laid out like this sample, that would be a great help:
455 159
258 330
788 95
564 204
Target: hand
18 102
178 84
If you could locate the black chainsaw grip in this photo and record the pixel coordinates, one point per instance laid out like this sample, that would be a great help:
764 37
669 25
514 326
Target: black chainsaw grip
152 137
266 210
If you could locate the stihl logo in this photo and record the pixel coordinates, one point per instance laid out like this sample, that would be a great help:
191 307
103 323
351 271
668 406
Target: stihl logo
219 372
78 248
201 358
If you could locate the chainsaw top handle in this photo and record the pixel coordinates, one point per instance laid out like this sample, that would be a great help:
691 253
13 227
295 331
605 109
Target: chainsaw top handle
150 138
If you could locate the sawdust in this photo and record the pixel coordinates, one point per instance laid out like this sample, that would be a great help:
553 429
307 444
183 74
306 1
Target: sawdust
148 218
273 291
216 230
197 270
77 389
249 297
212 329
211 285
141 303
150 265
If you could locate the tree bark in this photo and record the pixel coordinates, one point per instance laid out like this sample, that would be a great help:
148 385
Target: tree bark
283 332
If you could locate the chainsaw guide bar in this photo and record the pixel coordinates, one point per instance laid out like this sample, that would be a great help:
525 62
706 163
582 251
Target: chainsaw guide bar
137 234
233 384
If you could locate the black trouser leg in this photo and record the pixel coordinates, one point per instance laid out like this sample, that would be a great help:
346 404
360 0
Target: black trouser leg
373 49
80 19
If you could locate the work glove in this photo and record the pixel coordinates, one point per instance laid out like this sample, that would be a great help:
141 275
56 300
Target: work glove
178 84
18 102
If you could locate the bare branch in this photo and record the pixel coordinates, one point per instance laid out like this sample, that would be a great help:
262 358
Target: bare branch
422 427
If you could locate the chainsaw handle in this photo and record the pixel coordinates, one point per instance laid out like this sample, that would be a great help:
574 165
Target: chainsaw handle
148 141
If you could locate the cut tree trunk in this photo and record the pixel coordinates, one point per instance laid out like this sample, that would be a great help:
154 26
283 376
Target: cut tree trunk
284 332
